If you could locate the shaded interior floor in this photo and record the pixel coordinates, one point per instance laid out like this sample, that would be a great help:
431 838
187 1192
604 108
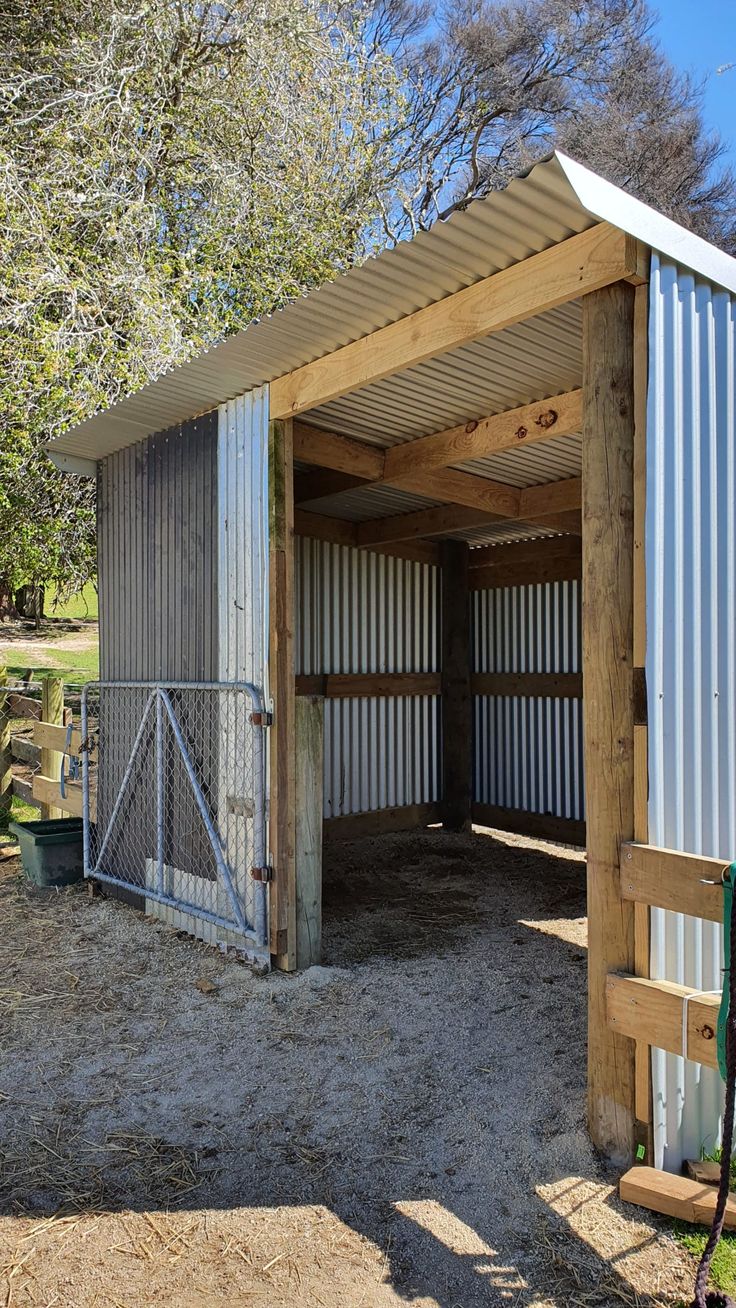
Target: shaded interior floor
401 1125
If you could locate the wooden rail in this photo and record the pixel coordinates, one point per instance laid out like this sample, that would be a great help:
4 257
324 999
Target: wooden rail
665 878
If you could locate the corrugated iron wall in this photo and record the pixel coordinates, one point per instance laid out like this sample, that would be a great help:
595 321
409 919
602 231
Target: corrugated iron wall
157 565
691 649
358 611
528 752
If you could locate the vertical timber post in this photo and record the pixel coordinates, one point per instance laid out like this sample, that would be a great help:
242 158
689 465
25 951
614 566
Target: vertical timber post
608 701
282 820
52 710
457 714
6 757
309 803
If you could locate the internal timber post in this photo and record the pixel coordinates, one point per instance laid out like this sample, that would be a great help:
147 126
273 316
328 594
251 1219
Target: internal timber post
52 710
282 825
457 719
608 702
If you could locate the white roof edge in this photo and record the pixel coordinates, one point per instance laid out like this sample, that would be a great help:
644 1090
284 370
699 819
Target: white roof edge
611 204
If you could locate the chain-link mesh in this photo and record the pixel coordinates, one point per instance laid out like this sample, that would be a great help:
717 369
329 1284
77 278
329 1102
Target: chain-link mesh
175 798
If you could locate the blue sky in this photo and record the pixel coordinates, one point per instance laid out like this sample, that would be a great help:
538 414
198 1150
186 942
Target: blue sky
700 35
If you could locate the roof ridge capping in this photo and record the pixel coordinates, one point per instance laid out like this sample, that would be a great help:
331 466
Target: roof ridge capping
612 204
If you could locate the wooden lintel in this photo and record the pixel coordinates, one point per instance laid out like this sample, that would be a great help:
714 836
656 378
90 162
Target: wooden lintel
340 453
358 685
557 416
552 685
339 532
652 1012
317 485
578 265
665 878
525 551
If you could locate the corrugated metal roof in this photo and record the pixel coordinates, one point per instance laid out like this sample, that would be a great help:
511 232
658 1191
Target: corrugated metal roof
554 201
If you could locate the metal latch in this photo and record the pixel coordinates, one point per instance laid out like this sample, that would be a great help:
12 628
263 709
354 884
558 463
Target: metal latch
262 873
261 719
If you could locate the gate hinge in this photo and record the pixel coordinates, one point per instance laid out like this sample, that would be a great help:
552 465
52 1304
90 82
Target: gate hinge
261 719
262 873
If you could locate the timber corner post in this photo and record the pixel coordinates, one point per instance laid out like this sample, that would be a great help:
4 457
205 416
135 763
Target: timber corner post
608 703
282 811
457 703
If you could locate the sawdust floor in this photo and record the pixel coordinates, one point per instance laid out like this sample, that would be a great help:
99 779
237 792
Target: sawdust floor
401 1126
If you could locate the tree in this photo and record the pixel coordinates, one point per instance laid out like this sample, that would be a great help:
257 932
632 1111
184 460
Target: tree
495 86
172 169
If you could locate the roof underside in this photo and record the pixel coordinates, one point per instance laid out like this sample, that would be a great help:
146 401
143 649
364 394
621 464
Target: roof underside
530 361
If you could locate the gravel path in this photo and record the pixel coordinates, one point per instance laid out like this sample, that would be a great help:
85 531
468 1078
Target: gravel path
401 1125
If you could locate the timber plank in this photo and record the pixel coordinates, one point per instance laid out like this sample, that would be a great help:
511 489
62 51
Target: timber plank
652 1011
542 826
666 878
351 826
552 685
357 685
675 1196
580 264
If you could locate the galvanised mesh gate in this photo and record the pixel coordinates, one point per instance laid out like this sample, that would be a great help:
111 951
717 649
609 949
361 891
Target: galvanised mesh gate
174 802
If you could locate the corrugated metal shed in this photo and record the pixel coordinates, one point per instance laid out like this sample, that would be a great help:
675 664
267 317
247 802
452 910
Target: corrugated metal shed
555 200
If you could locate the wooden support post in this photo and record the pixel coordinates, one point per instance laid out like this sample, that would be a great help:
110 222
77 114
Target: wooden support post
282 824
6 757
309 801
52 710
608 704
457 716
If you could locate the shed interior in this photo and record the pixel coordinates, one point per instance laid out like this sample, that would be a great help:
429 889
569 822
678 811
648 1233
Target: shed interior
438 611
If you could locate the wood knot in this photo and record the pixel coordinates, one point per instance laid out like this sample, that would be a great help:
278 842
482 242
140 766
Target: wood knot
707 1032
546 420
520 433
471 426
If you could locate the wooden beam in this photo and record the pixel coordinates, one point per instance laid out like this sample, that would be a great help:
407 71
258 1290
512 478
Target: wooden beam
540 826
582 263
464 488
539 502
665 878
457 700
309 801
531 552
382 821
328 449
608 716
551 685
652 1011
675 1196
358 685
282 826
526 574
340 532
440 521
560 415
310 486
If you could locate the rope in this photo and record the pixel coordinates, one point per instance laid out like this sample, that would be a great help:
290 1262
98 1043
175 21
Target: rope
715 1299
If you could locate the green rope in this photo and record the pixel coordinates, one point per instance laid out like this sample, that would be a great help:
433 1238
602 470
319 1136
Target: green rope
729 876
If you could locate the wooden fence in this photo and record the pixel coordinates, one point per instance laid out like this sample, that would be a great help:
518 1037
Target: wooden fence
35 735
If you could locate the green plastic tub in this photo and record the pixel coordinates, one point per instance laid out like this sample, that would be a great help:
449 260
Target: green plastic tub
50 850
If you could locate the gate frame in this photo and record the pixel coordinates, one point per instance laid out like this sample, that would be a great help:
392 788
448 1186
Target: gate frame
258 932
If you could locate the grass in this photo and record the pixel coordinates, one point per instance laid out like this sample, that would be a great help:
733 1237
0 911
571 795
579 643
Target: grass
76 665
84 605
693 1238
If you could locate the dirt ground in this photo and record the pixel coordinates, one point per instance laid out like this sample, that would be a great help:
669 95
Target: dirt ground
403 1125
20 643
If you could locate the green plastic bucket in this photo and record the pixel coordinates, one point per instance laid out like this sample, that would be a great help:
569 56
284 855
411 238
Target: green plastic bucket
50 850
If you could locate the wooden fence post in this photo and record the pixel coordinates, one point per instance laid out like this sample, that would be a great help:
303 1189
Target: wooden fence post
52 710
6 757
608 699
309 802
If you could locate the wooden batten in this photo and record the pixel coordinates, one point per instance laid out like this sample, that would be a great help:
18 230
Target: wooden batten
667 878
357 685
652 1012
552 685
607 483
540 826
457 700
378 822
282 828
580 264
